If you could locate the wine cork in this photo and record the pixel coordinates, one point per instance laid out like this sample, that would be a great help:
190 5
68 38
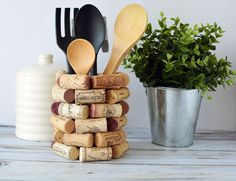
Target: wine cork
64 124
73 111
125 79
54 107
105 110
91 125
58 135
113 81
125 107
69 152
59 73
63 95
74 139
94 154
73 81
117 95
109 138
119 150
90 96
114 124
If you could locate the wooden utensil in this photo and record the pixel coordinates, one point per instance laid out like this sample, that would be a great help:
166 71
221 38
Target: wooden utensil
81 56
90 25
130 25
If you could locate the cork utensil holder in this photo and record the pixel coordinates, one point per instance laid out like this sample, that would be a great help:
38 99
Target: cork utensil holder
91 127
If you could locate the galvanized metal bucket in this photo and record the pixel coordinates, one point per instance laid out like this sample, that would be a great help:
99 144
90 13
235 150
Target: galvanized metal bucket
173 115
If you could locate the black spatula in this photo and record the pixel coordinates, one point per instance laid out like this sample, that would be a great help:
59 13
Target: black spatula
64 41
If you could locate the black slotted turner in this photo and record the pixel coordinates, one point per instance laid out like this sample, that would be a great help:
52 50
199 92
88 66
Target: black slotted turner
63 42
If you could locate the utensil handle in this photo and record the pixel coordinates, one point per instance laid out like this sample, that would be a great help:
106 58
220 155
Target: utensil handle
105 46
70 70
114 62
93 71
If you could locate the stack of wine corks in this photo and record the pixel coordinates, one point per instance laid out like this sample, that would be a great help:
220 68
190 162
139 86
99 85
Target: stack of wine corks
89 116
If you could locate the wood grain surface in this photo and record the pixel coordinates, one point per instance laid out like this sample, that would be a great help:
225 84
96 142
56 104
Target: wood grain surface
212 157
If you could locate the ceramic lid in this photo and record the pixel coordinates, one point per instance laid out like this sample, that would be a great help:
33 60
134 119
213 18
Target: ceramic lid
44 67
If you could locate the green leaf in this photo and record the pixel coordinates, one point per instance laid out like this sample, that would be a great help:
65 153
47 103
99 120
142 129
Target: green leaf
200 63
196 47
218 35
169 56
149 29
195 50
165 61
177 20
162 14
184 57
161 24
183 49
205 60
193 64
200 29
169 67
233 72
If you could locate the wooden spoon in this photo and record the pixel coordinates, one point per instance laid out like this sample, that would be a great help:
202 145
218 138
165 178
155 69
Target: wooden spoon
130 25
81 56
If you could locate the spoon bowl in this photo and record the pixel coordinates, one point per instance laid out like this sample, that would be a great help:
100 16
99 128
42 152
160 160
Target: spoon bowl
130 25
81 56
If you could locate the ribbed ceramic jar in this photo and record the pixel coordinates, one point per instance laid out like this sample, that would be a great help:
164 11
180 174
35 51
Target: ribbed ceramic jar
33 99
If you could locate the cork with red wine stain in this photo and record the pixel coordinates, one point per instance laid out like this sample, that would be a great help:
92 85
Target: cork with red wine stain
70 110
54 107
63 95
91 125
125 107
116 123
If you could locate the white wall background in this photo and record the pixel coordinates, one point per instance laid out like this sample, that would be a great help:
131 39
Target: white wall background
27 29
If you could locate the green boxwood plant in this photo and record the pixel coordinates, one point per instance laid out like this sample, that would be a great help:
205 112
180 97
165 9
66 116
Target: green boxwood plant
180 56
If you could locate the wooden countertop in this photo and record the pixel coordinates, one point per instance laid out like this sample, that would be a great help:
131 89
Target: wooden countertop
212 157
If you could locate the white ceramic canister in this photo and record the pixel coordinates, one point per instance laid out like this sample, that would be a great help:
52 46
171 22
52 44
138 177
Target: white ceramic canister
33 99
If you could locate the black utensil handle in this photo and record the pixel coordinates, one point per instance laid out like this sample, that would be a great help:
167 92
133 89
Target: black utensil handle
70 70
93 70
105 46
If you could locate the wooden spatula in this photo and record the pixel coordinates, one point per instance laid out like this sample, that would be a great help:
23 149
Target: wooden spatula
81 56
130 25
